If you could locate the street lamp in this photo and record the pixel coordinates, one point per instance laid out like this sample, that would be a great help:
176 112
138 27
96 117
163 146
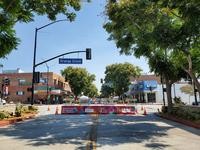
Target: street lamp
47 81
34 56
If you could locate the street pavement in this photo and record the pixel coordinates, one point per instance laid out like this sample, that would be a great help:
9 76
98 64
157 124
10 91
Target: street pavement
47 132
101 132
144 132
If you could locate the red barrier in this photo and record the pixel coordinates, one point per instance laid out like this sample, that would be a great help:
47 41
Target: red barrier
98 109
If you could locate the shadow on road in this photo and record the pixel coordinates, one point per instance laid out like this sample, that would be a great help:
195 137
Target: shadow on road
77 130
51 129
116 130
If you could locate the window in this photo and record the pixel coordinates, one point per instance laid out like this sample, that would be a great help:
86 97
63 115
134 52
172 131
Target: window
43 80
21 81
20 93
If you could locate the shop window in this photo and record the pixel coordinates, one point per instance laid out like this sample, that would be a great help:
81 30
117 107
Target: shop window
151 97
43 80
20 93
21 81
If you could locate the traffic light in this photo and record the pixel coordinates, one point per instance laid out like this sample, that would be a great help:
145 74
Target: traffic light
36 77
101 80
88 53
6 81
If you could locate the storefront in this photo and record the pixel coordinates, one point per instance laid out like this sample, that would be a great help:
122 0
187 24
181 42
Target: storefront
51 96
144 91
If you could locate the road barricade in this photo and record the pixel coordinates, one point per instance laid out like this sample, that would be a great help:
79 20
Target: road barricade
98 109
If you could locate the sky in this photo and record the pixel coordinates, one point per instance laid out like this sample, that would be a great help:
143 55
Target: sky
85 32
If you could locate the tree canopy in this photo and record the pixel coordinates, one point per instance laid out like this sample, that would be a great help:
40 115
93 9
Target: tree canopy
90 90
119 76
106 90
141 27
13 11
80 80
163 64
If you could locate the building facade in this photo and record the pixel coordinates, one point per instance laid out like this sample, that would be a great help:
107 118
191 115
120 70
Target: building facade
51 89
144 91
148 88
144 88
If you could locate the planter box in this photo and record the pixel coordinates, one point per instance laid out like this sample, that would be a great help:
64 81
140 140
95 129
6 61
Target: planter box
9 121
180 120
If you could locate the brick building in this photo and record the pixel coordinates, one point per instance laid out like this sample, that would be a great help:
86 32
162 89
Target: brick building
51 89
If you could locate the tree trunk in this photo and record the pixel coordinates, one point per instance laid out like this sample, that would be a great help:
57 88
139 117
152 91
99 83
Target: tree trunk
195 80
76 98
169 96
191 74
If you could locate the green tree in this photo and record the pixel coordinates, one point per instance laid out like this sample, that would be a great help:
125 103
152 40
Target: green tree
119 76
13 11
195 61
106 90
142 26
78 78
162 64
90 90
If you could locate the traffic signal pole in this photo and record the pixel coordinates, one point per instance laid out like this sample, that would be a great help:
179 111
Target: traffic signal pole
45 61
34 57
88 57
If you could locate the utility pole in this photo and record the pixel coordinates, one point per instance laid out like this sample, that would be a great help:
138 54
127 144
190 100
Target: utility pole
47 81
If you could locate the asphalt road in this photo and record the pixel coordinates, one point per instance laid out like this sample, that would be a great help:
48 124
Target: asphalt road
101 132
144 132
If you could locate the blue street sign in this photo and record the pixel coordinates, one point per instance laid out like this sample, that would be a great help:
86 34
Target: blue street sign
70 61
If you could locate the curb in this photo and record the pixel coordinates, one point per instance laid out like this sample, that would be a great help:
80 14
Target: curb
10 121
179 120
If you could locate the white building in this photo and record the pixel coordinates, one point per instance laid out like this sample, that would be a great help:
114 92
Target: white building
148 88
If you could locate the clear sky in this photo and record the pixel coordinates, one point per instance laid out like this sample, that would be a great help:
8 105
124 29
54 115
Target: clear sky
85 32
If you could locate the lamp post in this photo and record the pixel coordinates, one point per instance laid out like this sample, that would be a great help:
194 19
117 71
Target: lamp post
47 81
34 56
